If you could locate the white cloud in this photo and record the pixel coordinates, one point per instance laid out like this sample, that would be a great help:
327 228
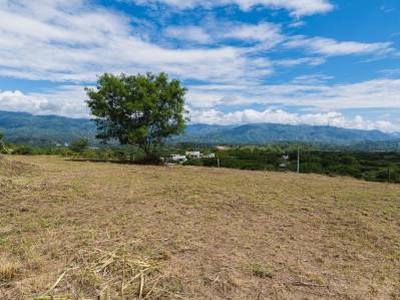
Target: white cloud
252 37
249 116
296 7
66 101
263 32
372 94
312 79
190 33
331 47
312 61
71 41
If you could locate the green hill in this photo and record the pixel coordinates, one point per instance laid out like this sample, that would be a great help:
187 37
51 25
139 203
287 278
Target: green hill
45 130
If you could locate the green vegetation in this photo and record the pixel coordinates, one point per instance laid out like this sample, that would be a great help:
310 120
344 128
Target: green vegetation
2 145
370 166
79 145
4 149
139 110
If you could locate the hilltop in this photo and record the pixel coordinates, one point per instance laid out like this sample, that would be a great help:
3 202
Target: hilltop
81 230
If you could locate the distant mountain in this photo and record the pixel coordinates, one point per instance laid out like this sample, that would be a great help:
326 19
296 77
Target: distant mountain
45 130
275 133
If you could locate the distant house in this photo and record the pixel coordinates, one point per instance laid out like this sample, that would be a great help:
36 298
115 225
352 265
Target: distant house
193 154
198 155
178 158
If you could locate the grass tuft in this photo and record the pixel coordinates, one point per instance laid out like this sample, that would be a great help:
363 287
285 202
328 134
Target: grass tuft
262 271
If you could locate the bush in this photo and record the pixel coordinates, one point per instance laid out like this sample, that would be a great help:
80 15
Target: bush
79 145
24 150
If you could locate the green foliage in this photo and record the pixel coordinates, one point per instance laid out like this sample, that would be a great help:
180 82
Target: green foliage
3 147
371 166
24 150
138 110
79 145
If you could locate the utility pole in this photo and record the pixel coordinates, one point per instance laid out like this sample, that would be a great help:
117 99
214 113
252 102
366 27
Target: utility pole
298 160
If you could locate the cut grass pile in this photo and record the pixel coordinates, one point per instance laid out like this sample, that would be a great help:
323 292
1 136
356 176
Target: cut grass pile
85 230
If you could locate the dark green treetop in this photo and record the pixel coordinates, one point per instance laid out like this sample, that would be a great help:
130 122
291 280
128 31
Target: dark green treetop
139 110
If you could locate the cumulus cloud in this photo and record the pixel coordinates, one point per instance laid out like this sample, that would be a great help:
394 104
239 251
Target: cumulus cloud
248 116
68 101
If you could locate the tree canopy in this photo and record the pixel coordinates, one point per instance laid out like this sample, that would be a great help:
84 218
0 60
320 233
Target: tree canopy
139 110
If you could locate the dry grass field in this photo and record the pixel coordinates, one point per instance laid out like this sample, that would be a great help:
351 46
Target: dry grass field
81 230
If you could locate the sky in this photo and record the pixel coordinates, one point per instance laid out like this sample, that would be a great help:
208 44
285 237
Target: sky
316 62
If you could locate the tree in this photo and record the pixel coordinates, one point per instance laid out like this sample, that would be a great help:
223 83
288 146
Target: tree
79 145
139 110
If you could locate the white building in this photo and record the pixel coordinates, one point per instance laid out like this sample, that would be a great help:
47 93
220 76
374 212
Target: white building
193 154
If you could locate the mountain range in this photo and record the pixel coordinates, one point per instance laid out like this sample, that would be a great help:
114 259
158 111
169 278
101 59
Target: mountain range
26 128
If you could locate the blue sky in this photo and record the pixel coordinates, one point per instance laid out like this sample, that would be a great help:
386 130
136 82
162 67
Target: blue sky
318 62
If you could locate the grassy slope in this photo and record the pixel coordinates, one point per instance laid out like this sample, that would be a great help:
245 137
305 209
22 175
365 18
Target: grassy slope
83 229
